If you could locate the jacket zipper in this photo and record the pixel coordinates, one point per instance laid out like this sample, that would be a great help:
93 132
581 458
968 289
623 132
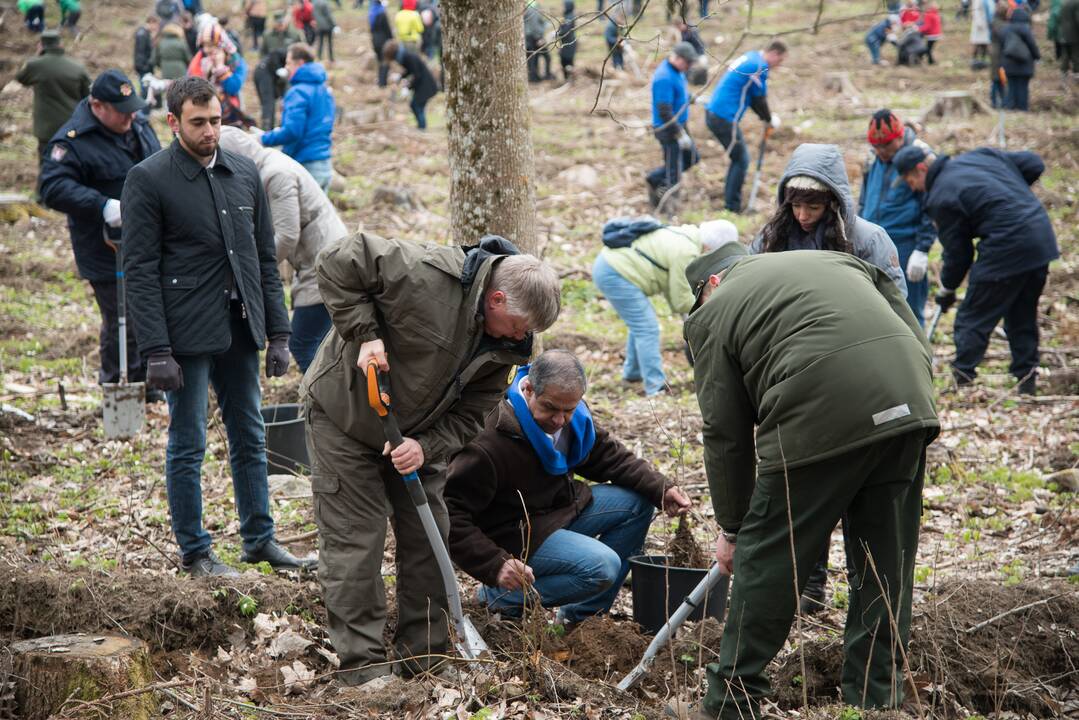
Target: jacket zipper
243 310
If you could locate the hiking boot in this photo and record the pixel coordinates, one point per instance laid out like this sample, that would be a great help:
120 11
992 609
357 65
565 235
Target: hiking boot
653 195
208 566
155 396
1029 385
814 598
279 558
961 378
682 710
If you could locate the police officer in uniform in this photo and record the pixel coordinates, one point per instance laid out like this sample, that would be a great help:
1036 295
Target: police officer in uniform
86 163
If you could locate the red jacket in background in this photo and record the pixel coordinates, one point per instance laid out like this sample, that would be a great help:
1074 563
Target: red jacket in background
909 15
931 26
303 14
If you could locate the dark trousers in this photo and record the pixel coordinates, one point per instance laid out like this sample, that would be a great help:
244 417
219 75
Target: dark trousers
266 87
325 36
35 18
675 162
383 73
537 51
1015 299
105 292
419 109
1019 92
929 51
257 26
730 136
310 323
355 488
1069 57
617 61
997 96
309 33
879 488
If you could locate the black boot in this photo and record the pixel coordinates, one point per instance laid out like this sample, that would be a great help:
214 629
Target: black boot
813 597
1029 384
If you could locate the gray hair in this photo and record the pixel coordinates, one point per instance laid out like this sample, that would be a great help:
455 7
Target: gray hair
532 287
560 368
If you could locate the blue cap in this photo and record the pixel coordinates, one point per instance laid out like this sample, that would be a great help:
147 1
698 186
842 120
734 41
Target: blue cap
113 87
906 160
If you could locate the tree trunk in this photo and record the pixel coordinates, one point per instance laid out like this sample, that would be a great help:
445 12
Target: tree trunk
51 670
492 168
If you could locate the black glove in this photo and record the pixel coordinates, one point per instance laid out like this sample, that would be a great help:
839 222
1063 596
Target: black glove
277 356
945 300
163 373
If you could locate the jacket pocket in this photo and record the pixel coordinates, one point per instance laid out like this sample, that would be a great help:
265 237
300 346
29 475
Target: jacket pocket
179 282
329 514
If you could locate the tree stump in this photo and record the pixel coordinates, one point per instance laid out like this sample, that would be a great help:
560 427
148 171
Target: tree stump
954 104
50 670
14 207
840 82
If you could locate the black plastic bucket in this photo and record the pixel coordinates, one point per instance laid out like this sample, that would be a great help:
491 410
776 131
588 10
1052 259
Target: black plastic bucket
286 449
658 590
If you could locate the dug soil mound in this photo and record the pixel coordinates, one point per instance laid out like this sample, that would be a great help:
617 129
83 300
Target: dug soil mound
601 648
168 612
974 644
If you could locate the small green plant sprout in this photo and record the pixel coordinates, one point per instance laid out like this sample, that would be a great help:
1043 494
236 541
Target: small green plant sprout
247 605
849 713
922 573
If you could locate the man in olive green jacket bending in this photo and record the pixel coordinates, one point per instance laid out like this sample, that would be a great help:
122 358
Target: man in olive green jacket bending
821 353
448 323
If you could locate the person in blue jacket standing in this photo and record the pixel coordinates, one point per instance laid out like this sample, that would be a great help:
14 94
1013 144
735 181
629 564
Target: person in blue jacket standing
744 85
307 116
878 35
985 194
670 113
895 207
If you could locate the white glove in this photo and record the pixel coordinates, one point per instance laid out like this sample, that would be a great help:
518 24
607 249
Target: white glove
336 29
684 141
111 213
281 72
917 265
702 99
775 121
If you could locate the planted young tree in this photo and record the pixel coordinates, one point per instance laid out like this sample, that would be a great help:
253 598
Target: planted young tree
492 168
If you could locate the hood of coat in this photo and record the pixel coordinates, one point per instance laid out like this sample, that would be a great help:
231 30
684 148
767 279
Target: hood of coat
823 163
1020 16
236 140
475 255
309 74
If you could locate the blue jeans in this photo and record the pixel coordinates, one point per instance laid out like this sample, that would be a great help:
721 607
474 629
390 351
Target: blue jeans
730 136
643 359
917 292
310 324
675 162
580 568
873 43
321 171
235 378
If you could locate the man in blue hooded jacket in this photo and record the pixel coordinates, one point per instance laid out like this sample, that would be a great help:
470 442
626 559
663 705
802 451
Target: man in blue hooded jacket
670 114
985 194
895 207
307 116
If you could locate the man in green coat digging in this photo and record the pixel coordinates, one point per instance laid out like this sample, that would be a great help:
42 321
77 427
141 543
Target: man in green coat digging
820 352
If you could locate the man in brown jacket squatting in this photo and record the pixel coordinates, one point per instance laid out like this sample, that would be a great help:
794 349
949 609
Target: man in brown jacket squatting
448 323
573 548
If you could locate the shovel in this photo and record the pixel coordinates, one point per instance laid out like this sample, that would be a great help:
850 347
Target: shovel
757 173
469 643
124 405
1000 123
691 603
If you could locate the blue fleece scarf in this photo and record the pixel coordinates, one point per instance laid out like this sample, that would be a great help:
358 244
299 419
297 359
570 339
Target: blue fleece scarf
582 432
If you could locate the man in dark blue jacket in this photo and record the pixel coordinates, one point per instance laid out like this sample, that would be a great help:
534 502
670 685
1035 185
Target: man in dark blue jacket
307 116
205 297
86 163
985 194
670 113
897 208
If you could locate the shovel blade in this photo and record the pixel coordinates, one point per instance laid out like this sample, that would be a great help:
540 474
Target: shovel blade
123 409
469 642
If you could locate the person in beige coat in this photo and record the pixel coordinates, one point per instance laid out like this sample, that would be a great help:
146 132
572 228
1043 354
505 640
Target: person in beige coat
304 222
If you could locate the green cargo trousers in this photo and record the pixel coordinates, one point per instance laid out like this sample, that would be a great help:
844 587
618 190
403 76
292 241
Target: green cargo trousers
355 490
879 489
